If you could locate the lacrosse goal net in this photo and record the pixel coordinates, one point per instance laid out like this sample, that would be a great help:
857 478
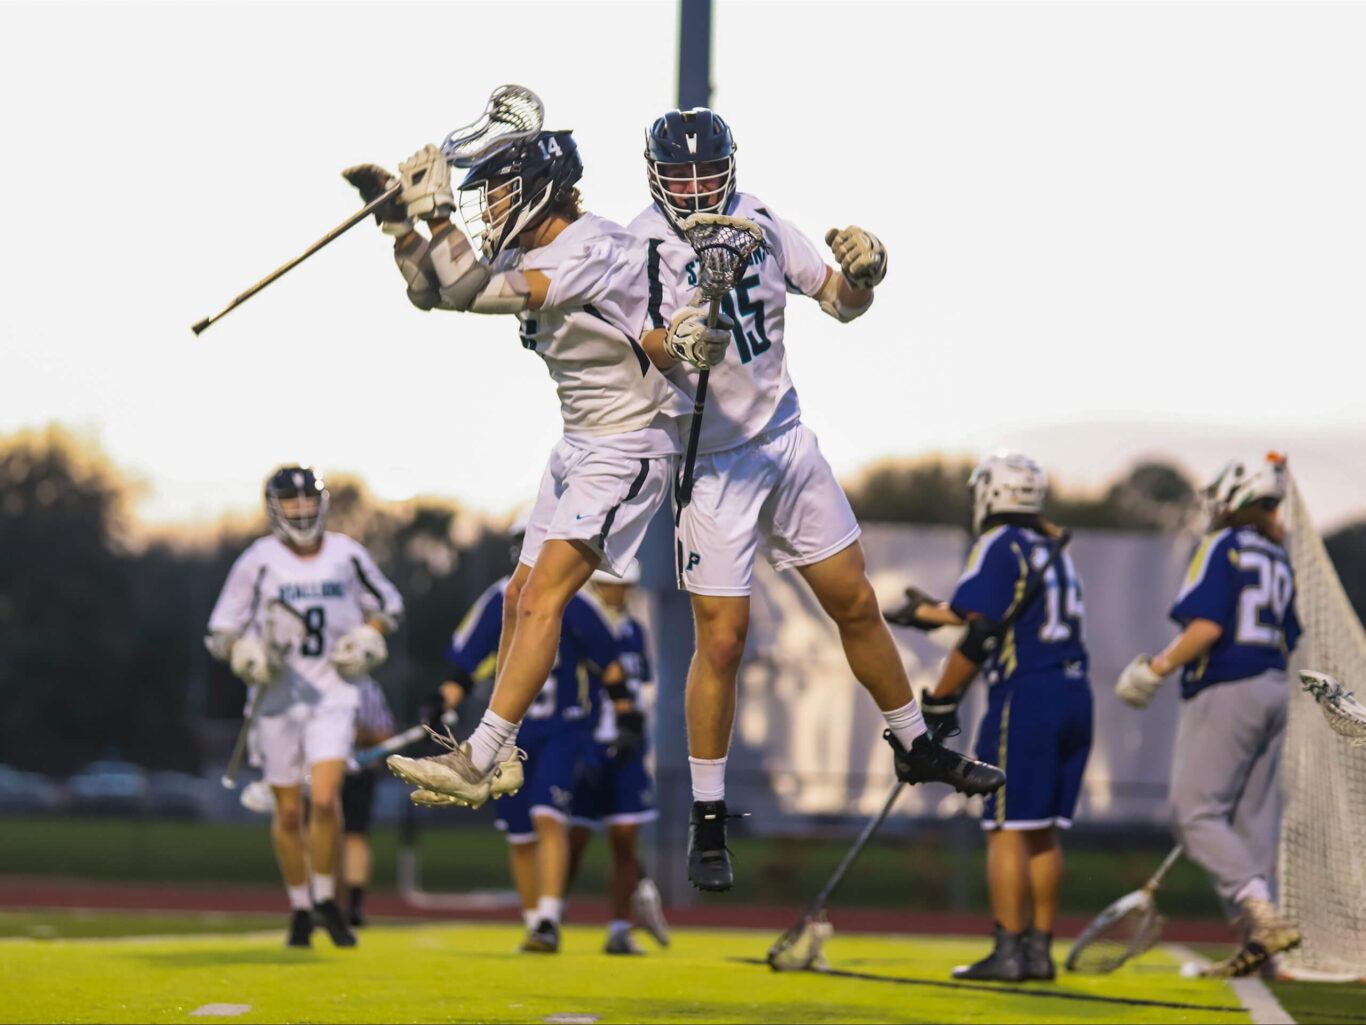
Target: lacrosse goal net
1322 855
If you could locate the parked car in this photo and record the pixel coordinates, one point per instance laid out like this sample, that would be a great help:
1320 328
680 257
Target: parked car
27 792
176 795
109 786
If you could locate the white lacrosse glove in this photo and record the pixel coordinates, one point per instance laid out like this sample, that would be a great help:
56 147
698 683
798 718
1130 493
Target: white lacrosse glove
862 258
251 662
284 629
359 650
689 340
426 184
373 181
219 643
1138 683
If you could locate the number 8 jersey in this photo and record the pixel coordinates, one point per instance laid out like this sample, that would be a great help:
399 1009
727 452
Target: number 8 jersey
334 591
1243 582
749 392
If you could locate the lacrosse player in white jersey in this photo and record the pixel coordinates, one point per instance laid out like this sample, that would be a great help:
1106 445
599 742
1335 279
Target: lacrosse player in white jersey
762 485
577 286
303 615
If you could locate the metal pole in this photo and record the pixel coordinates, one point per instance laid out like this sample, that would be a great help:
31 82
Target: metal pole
694 54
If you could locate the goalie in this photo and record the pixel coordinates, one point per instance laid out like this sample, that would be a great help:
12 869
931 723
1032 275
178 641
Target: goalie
1237 613
1038 717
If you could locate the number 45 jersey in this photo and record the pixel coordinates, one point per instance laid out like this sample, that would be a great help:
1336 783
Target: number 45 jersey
334 592
1243 582
749 393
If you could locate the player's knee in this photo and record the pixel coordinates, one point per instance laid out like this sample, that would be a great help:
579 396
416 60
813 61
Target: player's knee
853 603
623 840
289 818
326 806
537 601
722 648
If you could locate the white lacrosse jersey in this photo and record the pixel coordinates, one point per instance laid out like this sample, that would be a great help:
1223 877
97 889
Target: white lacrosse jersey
749 393
331 592
588 331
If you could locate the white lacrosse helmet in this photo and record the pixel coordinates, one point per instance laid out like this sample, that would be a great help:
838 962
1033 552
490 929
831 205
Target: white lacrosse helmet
1007 482
630 575
1244 481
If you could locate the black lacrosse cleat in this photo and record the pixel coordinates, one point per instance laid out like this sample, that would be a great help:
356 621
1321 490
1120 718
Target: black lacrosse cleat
329 916
928 762
708 856
544 939
300 929
1005 963
1038 952
356 915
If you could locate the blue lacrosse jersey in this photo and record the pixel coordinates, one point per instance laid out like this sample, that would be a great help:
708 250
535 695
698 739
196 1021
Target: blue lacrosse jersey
1243 582
635 663
1049 635
587 645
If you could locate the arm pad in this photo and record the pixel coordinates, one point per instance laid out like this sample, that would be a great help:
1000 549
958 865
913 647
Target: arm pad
416 267
460 274
829 298
981 640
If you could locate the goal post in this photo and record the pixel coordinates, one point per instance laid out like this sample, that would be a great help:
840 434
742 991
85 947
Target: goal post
1322 852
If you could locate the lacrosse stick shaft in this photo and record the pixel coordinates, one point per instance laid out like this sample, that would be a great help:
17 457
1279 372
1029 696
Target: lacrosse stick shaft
872 827
695 432
336 232
1167 862
239 749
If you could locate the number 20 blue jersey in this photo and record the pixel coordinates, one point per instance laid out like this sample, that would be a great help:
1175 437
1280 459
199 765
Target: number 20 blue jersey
1049 635
1243 582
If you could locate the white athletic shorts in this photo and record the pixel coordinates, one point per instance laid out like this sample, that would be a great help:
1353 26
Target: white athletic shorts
604 499
285 745
776 495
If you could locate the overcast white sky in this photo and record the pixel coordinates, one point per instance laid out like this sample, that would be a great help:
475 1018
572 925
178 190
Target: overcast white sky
1114 229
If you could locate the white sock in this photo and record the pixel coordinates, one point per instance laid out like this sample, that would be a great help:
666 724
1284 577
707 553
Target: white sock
488 739
551 908
508 750
324 887
906 723
617 925
708 778
530 917
299 897
1253 889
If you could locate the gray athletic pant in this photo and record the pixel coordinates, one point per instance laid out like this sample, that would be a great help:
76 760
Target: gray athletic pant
1226 803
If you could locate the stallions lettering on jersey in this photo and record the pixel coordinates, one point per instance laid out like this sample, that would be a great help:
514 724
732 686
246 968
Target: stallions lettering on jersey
333 591
749 392
1243 582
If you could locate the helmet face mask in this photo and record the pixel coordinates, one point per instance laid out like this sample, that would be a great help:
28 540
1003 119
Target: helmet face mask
1006 483
1243 483
690 163
296 505
511 191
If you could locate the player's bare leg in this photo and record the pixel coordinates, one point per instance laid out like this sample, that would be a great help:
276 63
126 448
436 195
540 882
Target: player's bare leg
471 771
1045 881
722 623
355 869
1008 884
324 832
287 835
623 838
552 870
526 876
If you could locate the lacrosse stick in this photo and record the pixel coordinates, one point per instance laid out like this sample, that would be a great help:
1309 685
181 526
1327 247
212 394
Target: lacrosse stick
239 750
401 740
723 246
1122 931
512 115
799 949
281 634
1345 714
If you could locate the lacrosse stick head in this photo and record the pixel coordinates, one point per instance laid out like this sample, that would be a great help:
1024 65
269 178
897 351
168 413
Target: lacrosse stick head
514 114
1123 931
1344 713
724 246
801 948
517 186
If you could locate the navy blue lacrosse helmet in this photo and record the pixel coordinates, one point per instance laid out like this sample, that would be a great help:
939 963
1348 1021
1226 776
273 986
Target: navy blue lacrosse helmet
690 155
305 523
511 190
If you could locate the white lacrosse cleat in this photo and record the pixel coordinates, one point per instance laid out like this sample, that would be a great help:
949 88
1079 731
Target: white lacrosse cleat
453 774
648 910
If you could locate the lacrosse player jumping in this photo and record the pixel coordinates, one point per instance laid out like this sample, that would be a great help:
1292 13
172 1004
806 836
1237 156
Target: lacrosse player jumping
1237 613
303 614
576 284
1038 721
762 485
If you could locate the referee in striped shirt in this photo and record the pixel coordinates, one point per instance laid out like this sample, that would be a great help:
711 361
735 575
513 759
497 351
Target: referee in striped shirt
374 725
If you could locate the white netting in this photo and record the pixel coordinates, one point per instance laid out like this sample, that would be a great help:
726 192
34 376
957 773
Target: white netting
1322 857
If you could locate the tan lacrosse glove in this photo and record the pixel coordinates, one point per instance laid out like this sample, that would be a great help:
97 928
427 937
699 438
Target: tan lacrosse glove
358 651
1138 683
426 181
251 663
689 340
862 258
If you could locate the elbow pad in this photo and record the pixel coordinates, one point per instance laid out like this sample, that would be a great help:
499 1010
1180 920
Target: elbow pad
460 274
416 267
981 640
387 620
829 298
507 292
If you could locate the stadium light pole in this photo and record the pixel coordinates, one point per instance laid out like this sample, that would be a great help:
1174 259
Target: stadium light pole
673 624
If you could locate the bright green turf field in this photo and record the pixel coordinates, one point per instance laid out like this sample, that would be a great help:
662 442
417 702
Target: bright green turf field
471 973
